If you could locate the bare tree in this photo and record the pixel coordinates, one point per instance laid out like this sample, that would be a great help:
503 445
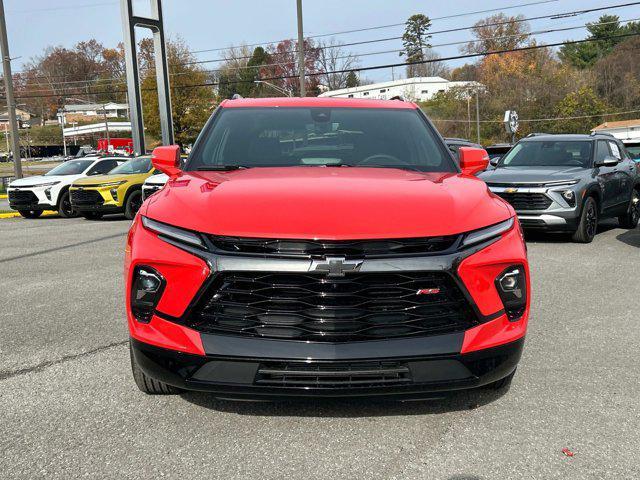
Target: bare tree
432 67
333 57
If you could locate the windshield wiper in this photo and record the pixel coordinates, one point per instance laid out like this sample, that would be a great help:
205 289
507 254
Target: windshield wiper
399 167
221 168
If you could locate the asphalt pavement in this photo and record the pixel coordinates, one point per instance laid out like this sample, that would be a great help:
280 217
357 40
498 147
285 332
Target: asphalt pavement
70 408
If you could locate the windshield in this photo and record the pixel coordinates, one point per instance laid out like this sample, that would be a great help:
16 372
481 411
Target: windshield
135 165
71 167
554 153
283 137
634 151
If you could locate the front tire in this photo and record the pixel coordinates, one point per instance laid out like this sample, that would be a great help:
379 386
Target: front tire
30 213
147 384
630 218
92 215
64 207
588 222
133 204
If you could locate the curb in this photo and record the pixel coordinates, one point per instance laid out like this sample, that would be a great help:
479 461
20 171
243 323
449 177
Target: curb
16 214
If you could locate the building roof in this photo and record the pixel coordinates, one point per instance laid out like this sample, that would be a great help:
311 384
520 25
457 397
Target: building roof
326 102
620 124
95 106
396 83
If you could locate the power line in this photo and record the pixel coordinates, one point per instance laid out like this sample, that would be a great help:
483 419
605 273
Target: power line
360 69
437 32
117 81
549 119
379 27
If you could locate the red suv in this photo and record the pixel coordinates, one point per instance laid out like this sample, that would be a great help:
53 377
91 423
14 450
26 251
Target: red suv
324 247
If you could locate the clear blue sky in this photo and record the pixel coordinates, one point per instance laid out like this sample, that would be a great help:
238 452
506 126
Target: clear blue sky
203 24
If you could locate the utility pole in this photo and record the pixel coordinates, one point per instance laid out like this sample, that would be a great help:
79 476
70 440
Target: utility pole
303 92
8 88
478 115
106 125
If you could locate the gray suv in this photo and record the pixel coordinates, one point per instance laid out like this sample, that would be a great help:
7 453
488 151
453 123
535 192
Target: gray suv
568 183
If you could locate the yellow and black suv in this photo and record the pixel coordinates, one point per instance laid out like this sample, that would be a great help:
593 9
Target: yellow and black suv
120 191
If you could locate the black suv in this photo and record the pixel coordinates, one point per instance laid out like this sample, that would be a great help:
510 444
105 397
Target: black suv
568 183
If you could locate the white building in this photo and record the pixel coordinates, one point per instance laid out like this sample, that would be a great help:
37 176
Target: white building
418 89
626 130
113 110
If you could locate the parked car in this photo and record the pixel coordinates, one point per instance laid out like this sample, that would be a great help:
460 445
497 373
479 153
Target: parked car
30 196
454 145
497 151
152 184
633 147
568 183
120 191
324 247
156 182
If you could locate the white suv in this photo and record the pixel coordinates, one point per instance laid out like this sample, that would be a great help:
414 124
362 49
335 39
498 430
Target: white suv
30 196
153 184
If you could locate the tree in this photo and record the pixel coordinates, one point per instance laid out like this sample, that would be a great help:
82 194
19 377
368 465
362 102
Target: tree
498 32
432 66
415 40
585 55
332 57
352 80
583 102
191 103
467 72
616 77
283 70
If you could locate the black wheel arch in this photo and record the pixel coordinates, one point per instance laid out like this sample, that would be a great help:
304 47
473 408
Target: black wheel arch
130 190
63 190
593 191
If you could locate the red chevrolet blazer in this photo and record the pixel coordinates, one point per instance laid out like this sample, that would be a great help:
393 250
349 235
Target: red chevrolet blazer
321 247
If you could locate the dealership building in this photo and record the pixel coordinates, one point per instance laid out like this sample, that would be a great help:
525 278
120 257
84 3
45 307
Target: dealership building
416 89
626 130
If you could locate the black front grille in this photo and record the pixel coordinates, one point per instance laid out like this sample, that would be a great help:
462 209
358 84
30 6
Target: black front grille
526 201
333 375
86 197
22 197
313 306
350 248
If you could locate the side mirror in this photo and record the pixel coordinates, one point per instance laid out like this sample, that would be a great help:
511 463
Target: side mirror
494 161
167 159
473 160
607 162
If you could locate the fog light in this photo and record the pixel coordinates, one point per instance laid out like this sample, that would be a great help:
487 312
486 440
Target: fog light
146 289
114 194
570 197
512 288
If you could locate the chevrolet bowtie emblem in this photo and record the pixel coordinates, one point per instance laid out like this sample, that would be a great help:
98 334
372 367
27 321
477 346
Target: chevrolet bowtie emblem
510 190
335 266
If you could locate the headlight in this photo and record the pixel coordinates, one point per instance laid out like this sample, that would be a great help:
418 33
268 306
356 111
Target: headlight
569 196
487 233
170 232
112 184
146 289
47 193
114 193
512 288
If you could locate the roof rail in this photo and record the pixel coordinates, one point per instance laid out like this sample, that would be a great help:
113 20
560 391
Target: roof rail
236 96
536 134
594 133
397 97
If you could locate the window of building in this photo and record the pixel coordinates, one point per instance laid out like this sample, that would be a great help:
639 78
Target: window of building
350 95
383 90
425 91
365 93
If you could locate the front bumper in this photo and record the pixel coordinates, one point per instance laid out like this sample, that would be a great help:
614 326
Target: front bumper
559 221
102 203
428 370
30 199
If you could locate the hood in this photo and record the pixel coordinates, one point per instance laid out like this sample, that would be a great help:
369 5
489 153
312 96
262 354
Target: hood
36 180
531 174
326 203
96 180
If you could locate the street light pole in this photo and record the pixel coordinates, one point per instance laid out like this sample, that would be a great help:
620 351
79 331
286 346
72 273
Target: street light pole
8 88
478 114
303 92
